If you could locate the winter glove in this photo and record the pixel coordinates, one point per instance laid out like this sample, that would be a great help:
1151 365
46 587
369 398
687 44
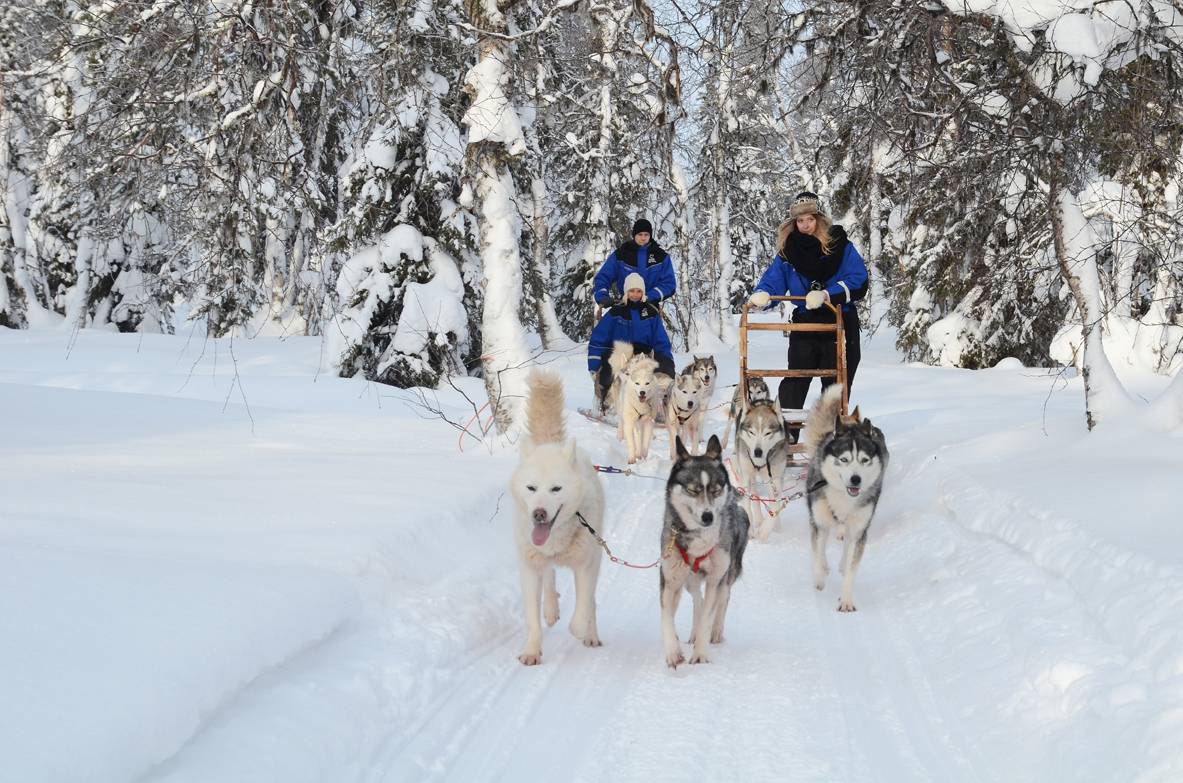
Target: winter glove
605 302
815 299
759 299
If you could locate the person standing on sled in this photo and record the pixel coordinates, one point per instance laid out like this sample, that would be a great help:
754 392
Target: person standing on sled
636 321
640 255
817 261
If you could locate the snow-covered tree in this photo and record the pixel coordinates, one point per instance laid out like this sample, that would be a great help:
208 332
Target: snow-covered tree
745 178
405 308
990 98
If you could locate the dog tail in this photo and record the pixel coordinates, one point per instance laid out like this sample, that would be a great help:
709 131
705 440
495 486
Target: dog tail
621 352
821 418
544 408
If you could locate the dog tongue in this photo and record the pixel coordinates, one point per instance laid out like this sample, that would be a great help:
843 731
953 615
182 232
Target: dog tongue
853 491
540 533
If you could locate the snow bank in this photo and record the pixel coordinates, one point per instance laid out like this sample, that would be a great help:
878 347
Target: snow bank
122 656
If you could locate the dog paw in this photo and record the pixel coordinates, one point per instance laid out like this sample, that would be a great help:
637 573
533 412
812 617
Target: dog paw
550 611
530 658
592 641
846 606
673 659
717 638
700 658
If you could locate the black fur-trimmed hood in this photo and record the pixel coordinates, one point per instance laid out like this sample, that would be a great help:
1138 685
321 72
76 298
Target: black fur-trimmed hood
627 254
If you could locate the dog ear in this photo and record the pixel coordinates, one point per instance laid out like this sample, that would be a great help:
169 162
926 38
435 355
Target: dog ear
838 421
681 449
855 415
714 450
569 450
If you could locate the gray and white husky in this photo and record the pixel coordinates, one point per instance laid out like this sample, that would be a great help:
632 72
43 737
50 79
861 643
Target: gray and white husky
703 368
684 412
555 490
849 458
702 542
757 391
761 457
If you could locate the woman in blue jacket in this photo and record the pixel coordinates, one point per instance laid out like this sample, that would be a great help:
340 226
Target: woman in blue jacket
636 321
817 261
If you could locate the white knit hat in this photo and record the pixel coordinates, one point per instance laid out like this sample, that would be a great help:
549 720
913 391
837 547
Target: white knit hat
634 280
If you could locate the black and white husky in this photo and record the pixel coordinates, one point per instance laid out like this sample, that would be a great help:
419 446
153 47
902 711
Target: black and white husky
702 543
846 467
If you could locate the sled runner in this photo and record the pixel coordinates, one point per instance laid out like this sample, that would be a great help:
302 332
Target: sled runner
797 451
598 418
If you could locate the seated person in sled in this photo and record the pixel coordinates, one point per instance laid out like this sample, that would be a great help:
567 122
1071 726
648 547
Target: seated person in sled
636 321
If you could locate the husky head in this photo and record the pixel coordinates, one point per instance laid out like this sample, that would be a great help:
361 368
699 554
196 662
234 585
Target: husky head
640 378
685 393
758 390
761 430
698 489
854 457
703 368
548 487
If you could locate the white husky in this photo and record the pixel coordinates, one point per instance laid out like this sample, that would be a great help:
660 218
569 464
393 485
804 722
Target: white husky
639 396
556 491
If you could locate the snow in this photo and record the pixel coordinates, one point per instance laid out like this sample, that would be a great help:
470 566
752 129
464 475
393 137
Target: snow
435 307
1094 35
491 116
323 586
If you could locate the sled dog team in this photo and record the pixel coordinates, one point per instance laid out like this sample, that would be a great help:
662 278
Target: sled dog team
559 500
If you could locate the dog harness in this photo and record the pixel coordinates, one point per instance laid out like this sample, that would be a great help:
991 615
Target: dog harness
678 414
697 561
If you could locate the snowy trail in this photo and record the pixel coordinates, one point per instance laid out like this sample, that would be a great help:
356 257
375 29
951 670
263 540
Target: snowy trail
798 691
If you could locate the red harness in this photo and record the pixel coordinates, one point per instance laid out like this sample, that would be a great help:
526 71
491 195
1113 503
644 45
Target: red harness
697 560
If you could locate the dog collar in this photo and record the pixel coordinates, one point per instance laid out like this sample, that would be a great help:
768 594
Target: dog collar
697 561
678 413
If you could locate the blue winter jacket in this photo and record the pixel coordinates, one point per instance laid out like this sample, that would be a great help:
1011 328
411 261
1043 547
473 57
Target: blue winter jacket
845 287
650 262
636 322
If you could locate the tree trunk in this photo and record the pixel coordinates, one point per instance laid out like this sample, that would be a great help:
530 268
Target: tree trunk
548 322
494 136
1075 248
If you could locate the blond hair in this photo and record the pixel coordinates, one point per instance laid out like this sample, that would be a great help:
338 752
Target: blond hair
821 233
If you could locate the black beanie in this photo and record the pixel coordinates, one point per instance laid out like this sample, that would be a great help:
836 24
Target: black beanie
642 225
